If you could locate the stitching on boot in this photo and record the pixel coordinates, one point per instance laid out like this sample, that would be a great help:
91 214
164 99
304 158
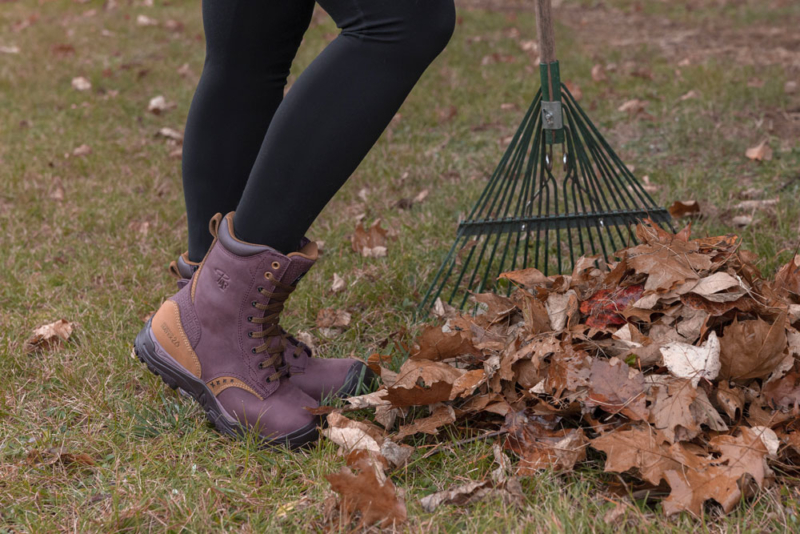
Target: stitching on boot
218 385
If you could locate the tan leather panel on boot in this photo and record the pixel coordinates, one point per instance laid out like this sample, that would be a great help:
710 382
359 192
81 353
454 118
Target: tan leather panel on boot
219 385
168 330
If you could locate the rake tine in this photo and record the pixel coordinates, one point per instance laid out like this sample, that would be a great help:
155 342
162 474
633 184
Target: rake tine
528 208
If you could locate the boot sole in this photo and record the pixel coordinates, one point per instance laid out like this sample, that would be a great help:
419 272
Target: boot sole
359 380
175 376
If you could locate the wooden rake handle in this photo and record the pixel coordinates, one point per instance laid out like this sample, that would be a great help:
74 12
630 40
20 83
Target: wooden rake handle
544 27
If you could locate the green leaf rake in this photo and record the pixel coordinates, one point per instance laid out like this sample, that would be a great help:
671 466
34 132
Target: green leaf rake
540 210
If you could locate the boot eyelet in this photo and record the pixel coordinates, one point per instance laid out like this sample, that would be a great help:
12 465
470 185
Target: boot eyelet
276 265
250 319
249 334
260 289
268 275
253 350
254 303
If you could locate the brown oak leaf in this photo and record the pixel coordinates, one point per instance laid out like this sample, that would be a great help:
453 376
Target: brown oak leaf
672 413
362 491
617 388
752 349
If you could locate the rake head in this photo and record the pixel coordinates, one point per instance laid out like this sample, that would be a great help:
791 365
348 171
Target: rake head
543 209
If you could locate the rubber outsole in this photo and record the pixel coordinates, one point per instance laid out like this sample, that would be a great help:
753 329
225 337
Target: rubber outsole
360 379
175 376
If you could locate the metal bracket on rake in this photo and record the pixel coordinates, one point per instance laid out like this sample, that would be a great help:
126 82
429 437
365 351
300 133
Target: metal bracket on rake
552 118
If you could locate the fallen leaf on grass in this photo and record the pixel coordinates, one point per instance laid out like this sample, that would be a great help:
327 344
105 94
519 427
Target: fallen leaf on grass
617 388
62 50
144 20
756 204
434 344
81 84
637 448
333 318
57 190
690 95
672 413
635 108
509 491
540 448
158 104
604 309
568 372
719 479
562 309
718 286
742 221
49 336
784 393
338 285
184 71
170 133
422 382
83 150
526 277
752 349
361 491
174 25
667 264
788 277
370 243
730 400
599 73
695 363
6 49
760 152
53 456
353 435
442 415
686 208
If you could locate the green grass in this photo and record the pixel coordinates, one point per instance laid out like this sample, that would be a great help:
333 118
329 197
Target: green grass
159 466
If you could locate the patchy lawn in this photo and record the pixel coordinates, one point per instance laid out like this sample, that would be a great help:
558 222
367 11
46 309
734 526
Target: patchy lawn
91 212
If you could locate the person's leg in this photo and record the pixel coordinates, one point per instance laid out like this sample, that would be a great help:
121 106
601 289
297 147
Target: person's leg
336 111
250 46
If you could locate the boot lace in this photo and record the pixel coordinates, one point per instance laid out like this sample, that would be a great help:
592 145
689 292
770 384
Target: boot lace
272 328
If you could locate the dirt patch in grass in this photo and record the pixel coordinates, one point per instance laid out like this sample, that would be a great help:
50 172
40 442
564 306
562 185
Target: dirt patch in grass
694 38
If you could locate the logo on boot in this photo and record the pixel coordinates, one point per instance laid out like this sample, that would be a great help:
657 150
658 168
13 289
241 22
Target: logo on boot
223 280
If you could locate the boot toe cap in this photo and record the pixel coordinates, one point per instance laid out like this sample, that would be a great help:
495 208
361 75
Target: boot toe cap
280 419
323 378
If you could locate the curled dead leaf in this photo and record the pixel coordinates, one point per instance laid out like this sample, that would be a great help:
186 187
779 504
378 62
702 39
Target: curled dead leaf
49 336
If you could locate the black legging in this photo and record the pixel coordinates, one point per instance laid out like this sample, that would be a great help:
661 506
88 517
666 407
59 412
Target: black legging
278 161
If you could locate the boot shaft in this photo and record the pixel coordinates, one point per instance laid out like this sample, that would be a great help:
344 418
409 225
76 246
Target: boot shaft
226 295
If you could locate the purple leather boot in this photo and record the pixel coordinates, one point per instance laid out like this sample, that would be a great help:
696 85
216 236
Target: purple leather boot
319 378
219 340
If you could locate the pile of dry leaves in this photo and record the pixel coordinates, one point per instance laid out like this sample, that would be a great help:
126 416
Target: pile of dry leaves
679 363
